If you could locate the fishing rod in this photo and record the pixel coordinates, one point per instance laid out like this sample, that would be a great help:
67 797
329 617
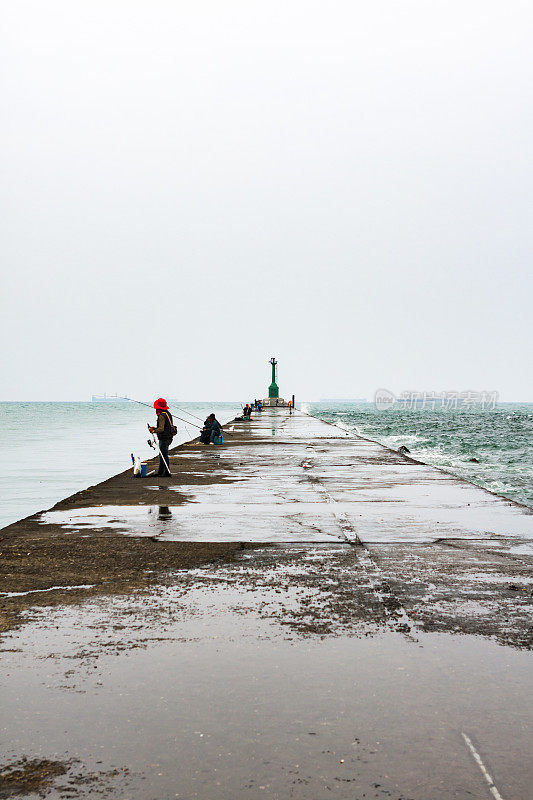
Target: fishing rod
188 412
186 421
139 402
180 408
195 417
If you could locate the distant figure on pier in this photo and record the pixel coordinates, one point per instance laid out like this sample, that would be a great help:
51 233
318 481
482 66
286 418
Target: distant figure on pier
259 405
165 431
247 412
290 407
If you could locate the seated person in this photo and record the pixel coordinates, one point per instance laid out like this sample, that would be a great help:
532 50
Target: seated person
205 435
215 429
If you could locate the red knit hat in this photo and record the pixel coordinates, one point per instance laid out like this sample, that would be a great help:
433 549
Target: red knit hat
161 404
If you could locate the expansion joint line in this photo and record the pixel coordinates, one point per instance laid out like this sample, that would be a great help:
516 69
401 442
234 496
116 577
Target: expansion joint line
484 771
375 575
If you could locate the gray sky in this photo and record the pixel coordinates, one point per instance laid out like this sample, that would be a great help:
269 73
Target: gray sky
190 188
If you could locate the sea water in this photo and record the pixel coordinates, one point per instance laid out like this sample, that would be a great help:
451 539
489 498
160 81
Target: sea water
51 450
500 438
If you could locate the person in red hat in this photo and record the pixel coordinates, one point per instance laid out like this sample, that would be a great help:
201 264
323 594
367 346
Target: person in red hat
165 431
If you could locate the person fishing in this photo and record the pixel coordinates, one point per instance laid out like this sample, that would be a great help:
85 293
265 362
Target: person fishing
215 429
205 435
165 430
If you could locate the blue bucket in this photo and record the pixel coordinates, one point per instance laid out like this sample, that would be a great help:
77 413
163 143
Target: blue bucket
144 470
218 440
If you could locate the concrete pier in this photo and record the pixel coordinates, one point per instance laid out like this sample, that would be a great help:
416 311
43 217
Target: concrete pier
296 613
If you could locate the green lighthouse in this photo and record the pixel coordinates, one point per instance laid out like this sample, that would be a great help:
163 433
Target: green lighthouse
273 389
273 398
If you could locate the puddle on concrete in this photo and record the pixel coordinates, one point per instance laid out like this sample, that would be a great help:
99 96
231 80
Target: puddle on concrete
50 589
283 520
259 491
198 697
522 549
489 577
290 673
207 522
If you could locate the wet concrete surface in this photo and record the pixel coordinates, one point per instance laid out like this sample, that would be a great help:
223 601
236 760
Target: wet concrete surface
297 613
285 479
212 688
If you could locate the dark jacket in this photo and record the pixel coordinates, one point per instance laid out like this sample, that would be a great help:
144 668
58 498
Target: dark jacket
215 427
164 426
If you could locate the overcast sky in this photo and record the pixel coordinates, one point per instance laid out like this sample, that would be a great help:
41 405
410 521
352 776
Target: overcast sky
190 188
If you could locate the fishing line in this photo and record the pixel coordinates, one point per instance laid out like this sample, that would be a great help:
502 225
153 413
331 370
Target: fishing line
186 421
188 412
188 428
192 415
139 402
